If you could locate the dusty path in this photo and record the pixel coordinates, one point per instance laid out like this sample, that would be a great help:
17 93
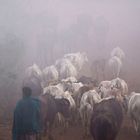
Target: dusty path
75 133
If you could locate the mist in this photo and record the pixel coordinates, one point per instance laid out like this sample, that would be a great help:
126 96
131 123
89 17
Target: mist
43 31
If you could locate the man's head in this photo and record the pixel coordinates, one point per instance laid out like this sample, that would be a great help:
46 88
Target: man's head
26 91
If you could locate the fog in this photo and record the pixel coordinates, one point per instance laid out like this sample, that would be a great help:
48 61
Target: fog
42 31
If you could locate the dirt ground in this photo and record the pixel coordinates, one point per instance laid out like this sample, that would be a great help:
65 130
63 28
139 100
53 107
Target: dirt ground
75 133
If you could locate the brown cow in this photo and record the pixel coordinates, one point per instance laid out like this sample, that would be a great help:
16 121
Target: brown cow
106 120
50 107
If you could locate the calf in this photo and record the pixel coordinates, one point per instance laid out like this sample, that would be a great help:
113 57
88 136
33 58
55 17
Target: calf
106 119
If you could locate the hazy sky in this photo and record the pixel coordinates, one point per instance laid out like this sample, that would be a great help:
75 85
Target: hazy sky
35 22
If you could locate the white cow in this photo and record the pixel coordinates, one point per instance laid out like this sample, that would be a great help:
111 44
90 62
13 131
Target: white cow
33 79
70 79
104 89
50 75
65 68
134 110
33 71
119 86
77 59
115 65
118 52
88 100
54 90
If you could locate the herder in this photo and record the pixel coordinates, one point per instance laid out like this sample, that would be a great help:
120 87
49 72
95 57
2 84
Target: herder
27 119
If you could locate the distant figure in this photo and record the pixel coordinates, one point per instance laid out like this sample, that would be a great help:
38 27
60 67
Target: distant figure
27 119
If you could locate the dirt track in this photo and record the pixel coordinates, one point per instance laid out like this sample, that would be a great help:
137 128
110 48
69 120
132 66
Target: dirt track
75 133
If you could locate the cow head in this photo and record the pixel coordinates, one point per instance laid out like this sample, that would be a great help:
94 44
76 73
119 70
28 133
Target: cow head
63 106
116 84
103 91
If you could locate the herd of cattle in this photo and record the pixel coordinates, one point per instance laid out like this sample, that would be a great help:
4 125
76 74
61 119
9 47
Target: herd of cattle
69 100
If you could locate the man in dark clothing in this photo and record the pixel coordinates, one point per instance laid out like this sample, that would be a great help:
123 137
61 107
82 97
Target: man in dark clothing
27 119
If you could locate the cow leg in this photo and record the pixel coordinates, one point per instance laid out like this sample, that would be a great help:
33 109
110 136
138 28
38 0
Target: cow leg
83 122
86 131
57 120
135 125
88 124
49 132
73 118
50 137
85 126
66 125
39 137
78 117
45 129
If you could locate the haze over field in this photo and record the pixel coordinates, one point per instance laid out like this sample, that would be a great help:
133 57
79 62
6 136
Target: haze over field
43 31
